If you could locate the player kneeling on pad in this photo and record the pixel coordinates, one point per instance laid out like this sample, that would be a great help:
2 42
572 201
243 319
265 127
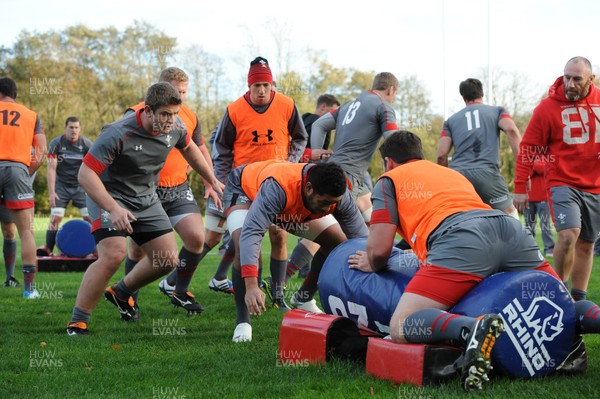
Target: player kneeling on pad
454 235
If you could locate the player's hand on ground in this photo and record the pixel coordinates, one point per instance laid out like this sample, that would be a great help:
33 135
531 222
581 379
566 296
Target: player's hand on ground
360 261
53 198
317 154
121 218
255 301
520 201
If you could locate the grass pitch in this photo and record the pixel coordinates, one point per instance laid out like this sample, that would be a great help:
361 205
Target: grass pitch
170 355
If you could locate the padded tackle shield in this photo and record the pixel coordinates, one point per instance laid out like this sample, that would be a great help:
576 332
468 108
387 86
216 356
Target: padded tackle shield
539 317
538 311
411 363
367 298
311 338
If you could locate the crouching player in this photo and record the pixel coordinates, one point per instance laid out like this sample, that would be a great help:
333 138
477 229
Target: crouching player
119 175
310 201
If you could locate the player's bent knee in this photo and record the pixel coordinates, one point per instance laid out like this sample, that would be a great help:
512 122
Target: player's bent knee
568 236
111 259
279 239
135 253
193 241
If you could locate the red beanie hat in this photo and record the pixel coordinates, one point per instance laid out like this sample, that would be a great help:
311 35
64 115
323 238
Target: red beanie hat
259 71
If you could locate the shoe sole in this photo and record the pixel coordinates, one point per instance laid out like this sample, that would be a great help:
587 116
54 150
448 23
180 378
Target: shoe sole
191 312
217 289
76 334
482 364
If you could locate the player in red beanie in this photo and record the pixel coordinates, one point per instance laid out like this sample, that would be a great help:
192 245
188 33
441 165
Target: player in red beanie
259 72
260 125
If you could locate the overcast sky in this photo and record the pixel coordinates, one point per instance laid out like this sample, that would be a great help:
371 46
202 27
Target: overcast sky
440 41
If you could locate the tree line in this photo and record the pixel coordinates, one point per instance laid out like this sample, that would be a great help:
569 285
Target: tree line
96 74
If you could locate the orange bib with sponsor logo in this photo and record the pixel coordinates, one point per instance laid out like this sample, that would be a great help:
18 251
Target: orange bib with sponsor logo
261 136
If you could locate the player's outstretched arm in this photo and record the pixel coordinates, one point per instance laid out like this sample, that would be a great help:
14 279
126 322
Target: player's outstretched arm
194 157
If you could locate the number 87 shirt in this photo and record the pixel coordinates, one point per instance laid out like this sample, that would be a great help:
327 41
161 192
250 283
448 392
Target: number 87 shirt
566 135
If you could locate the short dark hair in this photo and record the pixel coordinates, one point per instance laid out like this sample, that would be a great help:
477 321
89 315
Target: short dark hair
161 94
471 89
402 146
327 178
8 87
71 119
327 99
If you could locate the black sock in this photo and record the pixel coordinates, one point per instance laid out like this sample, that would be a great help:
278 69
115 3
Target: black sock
51 239
239 294
205 250
129 265
428 326
277 277
588 317
9 249
80 315
578 295
172 277
28 277
225 263
123 293
309 287
188 262
299 258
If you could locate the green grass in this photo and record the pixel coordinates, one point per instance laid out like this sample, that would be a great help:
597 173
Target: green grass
168 354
